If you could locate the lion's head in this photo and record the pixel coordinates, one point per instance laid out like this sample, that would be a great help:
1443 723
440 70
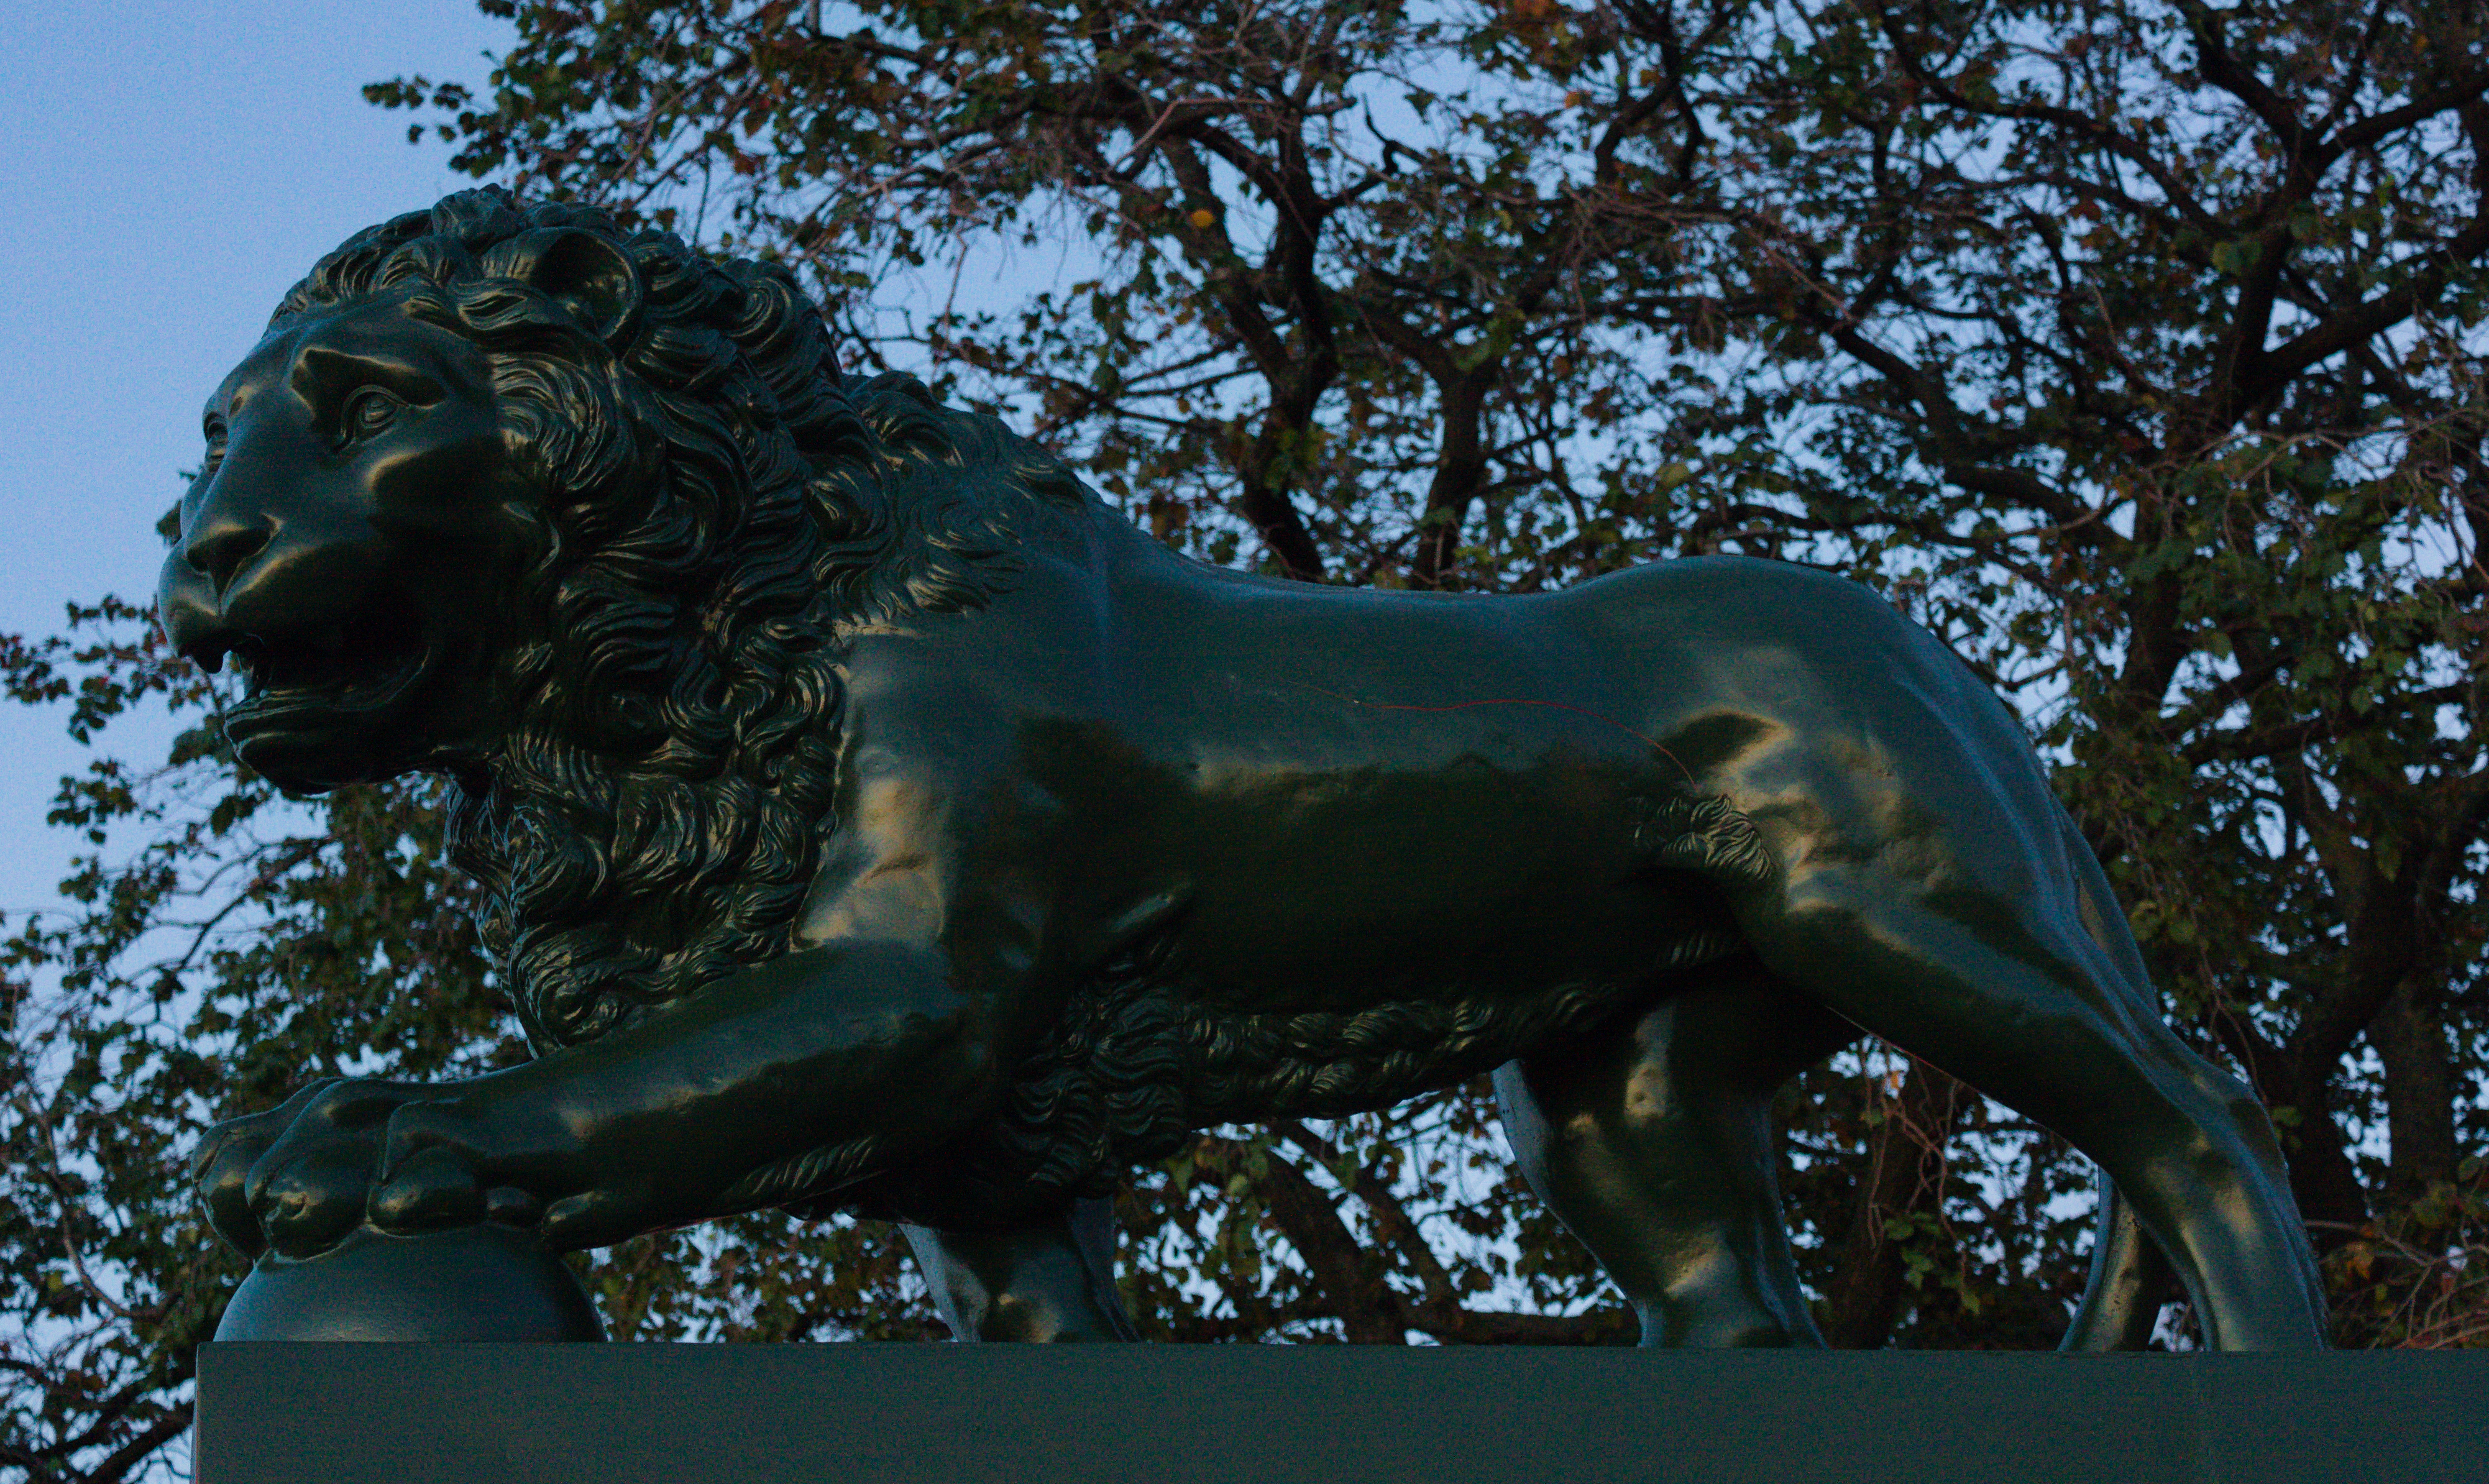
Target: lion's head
579 516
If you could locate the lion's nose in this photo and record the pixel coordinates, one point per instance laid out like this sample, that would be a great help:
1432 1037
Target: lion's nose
224 547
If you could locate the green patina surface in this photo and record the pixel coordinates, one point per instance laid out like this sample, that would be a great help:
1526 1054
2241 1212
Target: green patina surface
874 819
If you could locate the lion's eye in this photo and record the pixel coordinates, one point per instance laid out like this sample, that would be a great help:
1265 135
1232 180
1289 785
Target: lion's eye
215 433
371 411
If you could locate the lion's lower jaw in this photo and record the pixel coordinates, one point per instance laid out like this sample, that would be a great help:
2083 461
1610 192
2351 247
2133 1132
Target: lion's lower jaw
387 730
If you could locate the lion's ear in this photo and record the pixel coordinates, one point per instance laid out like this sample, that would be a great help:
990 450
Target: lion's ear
587 274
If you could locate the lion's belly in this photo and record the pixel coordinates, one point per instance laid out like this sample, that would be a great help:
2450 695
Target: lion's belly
1369 989
1428 1026
1361 942
1149 1048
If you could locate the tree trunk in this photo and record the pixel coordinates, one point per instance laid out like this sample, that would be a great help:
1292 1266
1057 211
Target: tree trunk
1907 1161
2419 1089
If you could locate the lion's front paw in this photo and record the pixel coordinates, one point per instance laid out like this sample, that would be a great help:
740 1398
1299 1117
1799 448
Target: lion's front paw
439 1168
300 1177
406 1157
516 1161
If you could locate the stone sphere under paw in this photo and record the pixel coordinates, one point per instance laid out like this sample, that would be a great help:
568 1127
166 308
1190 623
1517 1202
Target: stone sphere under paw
485 1282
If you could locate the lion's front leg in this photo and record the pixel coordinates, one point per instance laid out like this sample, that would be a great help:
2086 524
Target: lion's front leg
652 1126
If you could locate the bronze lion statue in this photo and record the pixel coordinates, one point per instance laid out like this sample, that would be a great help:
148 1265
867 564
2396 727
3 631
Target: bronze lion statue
872 819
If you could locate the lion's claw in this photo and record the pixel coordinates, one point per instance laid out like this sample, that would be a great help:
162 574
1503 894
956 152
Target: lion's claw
511 1206
223 1181
308 1206
429 1191
594 1218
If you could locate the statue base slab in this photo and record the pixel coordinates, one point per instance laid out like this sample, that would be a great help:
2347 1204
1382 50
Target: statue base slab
276 1413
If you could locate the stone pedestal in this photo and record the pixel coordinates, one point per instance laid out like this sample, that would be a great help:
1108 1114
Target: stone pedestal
273 1414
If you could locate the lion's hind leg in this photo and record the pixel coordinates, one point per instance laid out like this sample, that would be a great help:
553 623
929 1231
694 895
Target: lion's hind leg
1651 1138
1956 945
1051 1280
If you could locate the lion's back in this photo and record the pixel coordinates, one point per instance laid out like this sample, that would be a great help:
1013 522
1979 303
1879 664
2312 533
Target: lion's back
1788 644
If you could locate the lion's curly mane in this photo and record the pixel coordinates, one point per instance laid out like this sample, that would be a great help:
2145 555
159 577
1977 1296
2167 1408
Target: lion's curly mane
722 505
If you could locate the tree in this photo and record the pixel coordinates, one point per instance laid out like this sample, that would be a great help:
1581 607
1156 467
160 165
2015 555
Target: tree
2131 345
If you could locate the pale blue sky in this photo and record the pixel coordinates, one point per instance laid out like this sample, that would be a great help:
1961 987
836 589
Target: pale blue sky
169 167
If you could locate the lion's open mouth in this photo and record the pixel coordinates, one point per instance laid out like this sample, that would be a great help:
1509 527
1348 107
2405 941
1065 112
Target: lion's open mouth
334 677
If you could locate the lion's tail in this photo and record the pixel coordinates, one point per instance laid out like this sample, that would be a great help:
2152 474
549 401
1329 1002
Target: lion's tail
2121 1303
